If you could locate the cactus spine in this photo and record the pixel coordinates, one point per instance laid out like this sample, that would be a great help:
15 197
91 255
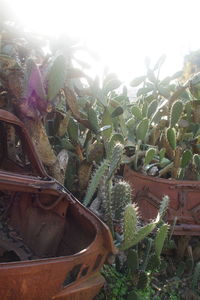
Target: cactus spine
164 205
115 138
133 235
115 160
120 198
95 182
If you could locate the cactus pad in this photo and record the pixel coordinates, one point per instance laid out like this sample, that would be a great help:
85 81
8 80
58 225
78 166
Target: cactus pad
175 113
171 137
142 129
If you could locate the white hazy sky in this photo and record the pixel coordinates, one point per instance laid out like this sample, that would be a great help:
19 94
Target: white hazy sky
122 32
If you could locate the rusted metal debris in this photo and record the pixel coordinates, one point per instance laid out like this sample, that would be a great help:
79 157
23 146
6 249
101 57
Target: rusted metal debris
184 205
51 246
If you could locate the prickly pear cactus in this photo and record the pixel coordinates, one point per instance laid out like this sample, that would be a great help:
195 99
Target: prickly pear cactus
136 111
171 137
149 155
186 158
152 108
175 113
142 129
120 198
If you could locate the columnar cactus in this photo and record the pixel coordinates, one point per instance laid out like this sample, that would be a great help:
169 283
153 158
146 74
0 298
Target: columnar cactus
120 197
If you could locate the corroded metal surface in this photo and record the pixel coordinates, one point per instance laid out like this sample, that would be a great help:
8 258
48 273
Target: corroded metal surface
184 200
51 246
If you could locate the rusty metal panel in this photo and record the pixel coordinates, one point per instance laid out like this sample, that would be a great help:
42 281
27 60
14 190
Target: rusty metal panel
51 246
184 200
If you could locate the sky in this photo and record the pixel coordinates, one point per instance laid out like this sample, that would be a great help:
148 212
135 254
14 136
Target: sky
123 33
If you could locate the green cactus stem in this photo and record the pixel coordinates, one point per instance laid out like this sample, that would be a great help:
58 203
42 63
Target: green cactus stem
149 155
130 225
152 108
72 130
115 138
160 238
142 129
116 158
180 269
186 158
164 206
133 260
147 253
196 161
143 280
175 112
107 204
154 262
196 276
92 118
166 169
171 137
120 198
136 111
100 171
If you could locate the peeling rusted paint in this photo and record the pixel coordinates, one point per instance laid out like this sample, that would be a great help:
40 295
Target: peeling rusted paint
184 200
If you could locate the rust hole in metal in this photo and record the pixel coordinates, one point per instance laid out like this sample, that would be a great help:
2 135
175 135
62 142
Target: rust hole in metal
84 271
72 275
97 262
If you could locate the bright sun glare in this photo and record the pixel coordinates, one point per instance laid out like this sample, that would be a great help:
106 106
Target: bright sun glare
123 33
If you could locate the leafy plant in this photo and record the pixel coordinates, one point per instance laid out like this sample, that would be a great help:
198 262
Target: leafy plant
165 118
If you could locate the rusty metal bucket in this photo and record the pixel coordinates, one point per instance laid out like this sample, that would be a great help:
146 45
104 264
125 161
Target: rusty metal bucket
184 200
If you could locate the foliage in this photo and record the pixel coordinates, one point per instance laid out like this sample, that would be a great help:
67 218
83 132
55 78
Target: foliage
85 128
163 126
